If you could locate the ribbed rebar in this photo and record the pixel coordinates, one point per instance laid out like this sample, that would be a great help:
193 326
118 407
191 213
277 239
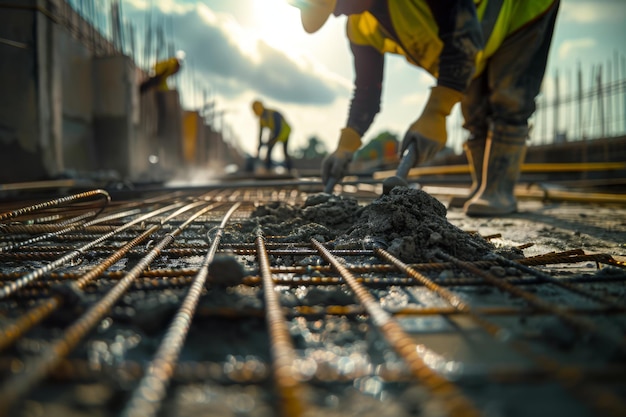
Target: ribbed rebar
451 398
315 308
568 376
189 372
565 285
13 286
70 228
16 387
571 319
57 202
11 332
286 377
148 396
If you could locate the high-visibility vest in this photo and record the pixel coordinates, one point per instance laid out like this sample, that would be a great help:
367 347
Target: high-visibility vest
417 29
165 69
268 118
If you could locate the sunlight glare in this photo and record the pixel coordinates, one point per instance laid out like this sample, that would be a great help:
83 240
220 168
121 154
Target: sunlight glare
278 23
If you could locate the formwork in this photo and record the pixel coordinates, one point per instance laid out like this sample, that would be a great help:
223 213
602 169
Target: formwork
193 302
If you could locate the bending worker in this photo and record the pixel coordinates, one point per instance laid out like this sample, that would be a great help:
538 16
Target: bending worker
279 131
489 55
162 71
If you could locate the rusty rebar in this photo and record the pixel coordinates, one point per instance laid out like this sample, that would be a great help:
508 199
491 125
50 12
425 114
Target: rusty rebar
11 332
13 286
148 396
451 398
57 202
66 229
568 376
286 376
16 387
559 283
571 319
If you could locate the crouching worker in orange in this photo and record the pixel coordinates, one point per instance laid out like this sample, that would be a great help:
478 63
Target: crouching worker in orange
279 131
489 55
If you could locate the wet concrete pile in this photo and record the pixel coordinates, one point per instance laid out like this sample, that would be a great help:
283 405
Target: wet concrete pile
409 223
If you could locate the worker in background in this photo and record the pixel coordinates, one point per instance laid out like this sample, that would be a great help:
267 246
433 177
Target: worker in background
489 55
279 131
162 71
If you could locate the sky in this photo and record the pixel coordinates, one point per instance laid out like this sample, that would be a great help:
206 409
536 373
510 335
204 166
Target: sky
241 50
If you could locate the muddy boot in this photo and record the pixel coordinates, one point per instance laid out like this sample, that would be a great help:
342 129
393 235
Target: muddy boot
474 151
504 153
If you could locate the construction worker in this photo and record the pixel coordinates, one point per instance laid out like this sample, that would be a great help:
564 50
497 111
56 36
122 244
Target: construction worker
162 71
489 55
279 131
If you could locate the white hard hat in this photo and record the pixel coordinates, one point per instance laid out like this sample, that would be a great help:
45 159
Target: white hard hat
314 13
180 55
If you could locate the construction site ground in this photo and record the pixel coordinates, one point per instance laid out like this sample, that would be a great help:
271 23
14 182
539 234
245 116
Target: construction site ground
531 326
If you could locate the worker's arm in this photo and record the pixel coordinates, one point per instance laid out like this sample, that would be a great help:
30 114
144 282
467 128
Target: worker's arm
368 67
460 31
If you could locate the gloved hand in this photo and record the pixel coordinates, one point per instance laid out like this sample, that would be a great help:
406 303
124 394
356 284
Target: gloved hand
429 131
336 164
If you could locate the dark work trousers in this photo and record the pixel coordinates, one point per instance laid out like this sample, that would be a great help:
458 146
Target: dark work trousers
268 155
503 95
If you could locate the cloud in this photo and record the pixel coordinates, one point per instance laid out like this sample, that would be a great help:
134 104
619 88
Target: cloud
233 60
573 47
593 12
165 6
414 99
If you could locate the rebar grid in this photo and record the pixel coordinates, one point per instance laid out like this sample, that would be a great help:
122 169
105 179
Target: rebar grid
161 244
284 357
452 400
570 377
148 396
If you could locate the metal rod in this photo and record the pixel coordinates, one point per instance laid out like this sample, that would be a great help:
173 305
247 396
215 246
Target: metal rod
57 202
451 398
408 161
13 286
284 357
16 387
330 185
576 321
566 375
148 396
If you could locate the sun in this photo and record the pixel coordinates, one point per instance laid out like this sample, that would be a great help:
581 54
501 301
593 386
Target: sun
277 22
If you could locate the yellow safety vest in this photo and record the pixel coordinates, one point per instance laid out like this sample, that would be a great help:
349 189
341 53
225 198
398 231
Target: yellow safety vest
267 120
417 30
165 69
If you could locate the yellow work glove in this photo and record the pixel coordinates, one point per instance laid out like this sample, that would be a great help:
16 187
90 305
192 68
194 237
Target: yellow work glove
336 164
429 131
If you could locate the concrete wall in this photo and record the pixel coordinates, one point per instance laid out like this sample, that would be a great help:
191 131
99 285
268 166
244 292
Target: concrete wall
70 104
76 98
169 130
20 144
115 113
